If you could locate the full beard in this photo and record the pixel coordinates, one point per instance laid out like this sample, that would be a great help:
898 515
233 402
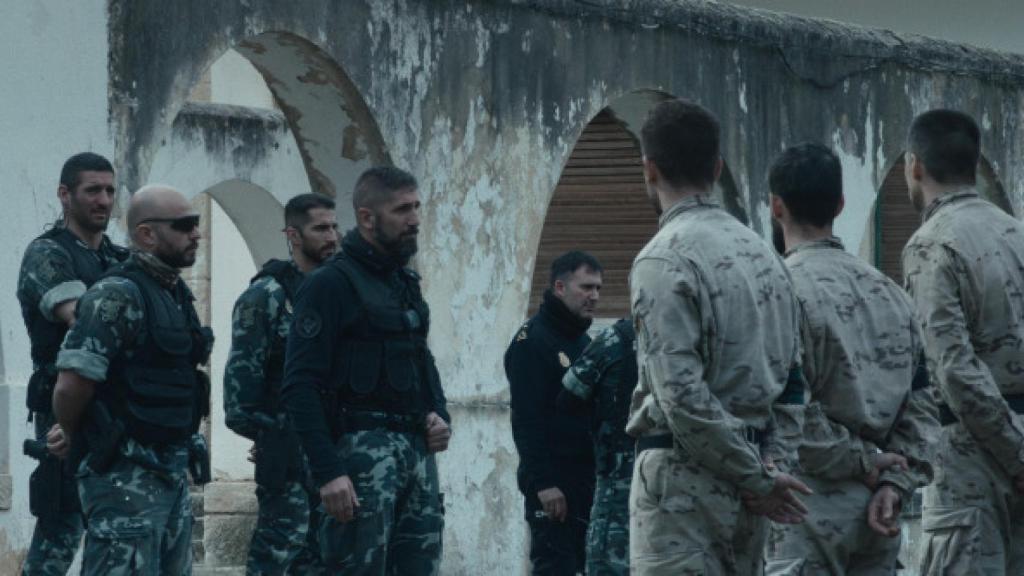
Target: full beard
179 260
402 247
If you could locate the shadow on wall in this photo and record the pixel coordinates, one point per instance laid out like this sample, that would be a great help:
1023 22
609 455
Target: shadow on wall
895 218
600 204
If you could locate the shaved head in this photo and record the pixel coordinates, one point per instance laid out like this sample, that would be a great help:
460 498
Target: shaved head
161 221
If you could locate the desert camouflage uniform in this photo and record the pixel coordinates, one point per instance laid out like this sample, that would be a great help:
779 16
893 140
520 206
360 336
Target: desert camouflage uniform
260 323
47 278
965 272
138 512
599 377
864 363
717 329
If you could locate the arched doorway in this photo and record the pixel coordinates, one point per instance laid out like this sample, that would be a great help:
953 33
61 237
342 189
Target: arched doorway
600 204
896 219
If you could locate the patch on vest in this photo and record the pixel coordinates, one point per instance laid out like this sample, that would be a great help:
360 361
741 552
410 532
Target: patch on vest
308 325
110 310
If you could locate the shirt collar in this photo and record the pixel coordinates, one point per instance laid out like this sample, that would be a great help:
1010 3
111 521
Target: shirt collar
945 199
687 203
831 242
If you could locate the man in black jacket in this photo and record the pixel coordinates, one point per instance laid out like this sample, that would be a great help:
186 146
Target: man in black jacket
363 391
556 457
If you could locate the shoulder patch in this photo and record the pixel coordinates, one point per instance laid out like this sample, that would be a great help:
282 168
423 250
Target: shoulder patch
521 335
110 310
308 324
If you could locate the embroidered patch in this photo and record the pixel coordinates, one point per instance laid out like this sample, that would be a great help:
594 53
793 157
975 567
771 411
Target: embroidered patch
308 325
110 310
521 336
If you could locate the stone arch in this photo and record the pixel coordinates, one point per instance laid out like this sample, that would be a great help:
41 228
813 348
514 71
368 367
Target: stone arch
600 203
334 129
257 215
895 219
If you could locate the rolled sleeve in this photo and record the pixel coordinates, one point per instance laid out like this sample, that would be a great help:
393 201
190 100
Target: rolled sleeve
58 295
88 365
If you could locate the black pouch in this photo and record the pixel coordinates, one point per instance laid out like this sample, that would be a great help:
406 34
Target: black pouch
39 396
44 489
272 459
363 360
400 361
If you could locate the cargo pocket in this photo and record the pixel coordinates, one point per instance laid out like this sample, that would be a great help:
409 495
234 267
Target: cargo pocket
952 541
120 546
400 362
363 362
356 542
685 563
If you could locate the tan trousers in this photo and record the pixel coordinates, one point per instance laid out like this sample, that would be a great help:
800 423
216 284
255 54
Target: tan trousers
684 521
973 519
836 539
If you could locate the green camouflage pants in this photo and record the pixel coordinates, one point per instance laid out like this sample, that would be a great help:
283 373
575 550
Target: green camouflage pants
684 521
608 534
398 526
281 529
139 519
972 518
835 539
54 541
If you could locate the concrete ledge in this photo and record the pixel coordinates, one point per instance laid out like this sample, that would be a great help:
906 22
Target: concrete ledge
231 498
226 539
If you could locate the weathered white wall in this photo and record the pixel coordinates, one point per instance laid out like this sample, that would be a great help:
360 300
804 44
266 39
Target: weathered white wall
55 104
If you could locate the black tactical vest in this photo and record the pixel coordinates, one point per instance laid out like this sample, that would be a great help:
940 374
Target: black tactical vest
88 265
290 278
157 394
613 401
382 366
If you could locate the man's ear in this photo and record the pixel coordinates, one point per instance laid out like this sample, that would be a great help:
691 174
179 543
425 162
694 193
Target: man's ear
558 287
64 195
294 238
778 207
365 218
915 168
651 173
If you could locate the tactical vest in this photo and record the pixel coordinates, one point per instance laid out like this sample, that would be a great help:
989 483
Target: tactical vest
290 278
382 364
157 394
45 336
613 402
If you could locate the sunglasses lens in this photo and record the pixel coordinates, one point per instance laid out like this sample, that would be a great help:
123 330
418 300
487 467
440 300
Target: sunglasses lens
185 224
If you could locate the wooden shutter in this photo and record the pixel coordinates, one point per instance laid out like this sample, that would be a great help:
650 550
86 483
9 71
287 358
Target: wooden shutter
895 222
600 206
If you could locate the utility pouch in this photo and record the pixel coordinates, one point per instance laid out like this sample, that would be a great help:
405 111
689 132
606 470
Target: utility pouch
199 460
278 457
39 396
44 488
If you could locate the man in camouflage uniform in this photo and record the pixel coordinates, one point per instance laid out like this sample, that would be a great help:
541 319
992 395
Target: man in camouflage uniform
717 329
129 393
603 378
252 382
868 426
56 269
364 394
964 269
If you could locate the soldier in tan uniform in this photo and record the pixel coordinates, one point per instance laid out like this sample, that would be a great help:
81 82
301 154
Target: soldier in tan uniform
717 345
964 269
871 414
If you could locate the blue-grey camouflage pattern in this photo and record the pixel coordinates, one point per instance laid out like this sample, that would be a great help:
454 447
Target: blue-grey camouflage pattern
593 378
138 513
259 332
400 519
862 354
718 338
964 270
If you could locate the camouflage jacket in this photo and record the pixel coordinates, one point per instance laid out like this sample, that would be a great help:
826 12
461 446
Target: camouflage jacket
964 270
864 363
717 329
597 377
259 334
110 325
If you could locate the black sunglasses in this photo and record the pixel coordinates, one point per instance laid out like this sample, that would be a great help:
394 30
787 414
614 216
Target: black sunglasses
181 224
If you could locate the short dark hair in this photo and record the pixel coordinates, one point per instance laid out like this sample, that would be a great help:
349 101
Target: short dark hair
570 262
681 139
82 162
296 211
379 183
948 143
809 179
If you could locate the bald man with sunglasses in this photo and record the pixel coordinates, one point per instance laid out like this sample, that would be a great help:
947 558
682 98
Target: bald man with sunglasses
129 396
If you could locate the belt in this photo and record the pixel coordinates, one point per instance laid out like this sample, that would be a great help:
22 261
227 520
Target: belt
357 421
665 441
947 417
